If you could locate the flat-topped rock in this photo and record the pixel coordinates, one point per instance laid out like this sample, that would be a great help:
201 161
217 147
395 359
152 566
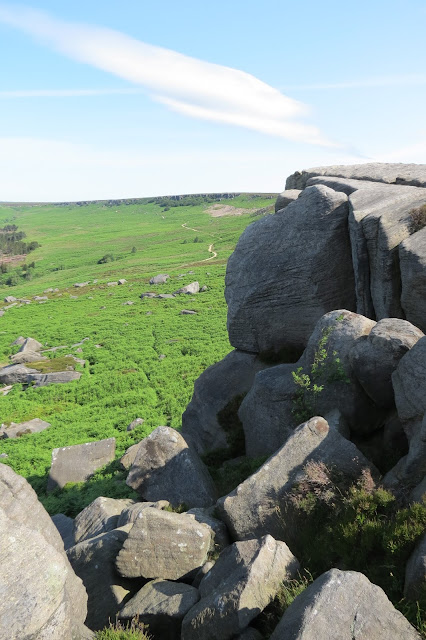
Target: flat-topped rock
59 377
23 428
79 462
390 173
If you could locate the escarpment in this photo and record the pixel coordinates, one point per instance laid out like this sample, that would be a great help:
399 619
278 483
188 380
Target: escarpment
291 504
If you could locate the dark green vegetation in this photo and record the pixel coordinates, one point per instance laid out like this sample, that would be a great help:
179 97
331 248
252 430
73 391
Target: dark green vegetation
357 527
141 359
418 218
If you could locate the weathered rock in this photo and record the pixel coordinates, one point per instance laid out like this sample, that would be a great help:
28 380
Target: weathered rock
80 284
112 284
194 287
285 198
79 462
415 574
275 404
343 605
166 468
409 383
27 356
148 294
162 605
16 374
187 312
122 281
65 526
9 299
23 428
98 517
160 279
131 513
19 341
42 597
375 357
253 509
220 537
41 298
243 581
129 456
412 261
411 469
137 422
268 307
60 377
164 545
396 173
217 388
165 296
93 561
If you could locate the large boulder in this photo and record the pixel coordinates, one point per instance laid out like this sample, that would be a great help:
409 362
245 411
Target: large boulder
30 345
78 462
165 468
164 545
162 605
41 595
388 173
343 605
374 357
193 287
26 357
243 581
98 517
259 504
93 561
279 399
412 261
160 279
131 514
16 374
218 387
58 377
287 270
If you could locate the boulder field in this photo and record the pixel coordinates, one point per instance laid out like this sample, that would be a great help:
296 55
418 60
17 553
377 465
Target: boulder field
325 391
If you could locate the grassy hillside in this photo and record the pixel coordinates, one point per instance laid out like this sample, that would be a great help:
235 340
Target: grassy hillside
141 359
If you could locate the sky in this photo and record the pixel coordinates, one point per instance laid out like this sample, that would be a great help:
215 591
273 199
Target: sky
107 99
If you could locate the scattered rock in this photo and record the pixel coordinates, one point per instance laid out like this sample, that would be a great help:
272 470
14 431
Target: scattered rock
204 288
187 312
122 281
9 299
137 422
79 462
166 468
343 605
160 279
112 284
128 303
39 298
81 284
16 374
59 377
194 287
23 428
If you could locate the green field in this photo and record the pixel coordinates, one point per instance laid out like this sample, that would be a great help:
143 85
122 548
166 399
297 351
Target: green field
141 359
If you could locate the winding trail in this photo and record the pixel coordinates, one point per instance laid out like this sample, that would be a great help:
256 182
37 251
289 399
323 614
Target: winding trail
210 249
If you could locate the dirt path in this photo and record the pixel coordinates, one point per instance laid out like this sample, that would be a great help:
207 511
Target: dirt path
210 249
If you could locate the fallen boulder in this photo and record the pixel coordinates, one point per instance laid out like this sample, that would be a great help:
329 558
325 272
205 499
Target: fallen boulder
343 605
166 468
23 428
78 462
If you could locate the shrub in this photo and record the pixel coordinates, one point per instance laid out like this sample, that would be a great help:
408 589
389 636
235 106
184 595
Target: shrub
134 250
108 257
418 218
133 630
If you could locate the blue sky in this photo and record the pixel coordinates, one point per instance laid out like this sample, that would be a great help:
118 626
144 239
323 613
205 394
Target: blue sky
134 98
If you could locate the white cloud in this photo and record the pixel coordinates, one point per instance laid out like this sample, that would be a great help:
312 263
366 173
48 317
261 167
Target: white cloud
415 152
411 79
191 86
65 93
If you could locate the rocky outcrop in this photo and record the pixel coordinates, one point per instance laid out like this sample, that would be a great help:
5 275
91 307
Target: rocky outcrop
98 517
285 198
287 271
343 605
203 425
166 468
43 598
408 174
412 260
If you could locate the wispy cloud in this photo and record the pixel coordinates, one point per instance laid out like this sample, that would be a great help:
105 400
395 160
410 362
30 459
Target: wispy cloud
412 79
66 93
188 85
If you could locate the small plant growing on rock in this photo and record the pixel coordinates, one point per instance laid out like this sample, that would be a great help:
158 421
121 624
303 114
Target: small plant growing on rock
325 368
418 218
134 630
